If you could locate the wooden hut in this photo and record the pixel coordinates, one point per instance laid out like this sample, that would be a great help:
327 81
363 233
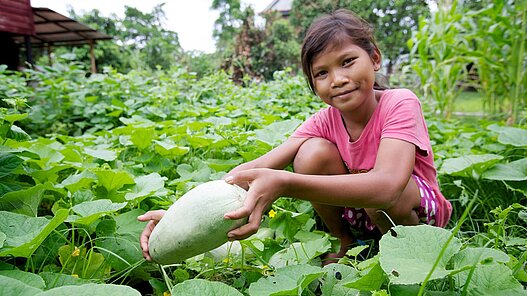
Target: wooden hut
23 25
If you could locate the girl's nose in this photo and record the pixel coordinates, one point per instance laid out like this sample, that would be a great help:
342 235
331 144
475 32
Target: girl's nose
339 79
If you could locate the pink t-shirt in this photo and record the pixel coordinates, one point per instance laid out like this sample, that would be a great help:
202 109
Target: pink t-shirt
398 115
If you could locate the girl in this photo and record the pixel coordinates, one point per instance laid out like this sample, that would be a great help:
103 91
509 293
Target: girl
364 158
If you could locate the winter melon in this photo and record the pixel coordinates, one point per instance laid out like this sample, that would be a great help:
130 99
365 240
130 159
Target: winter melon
194 224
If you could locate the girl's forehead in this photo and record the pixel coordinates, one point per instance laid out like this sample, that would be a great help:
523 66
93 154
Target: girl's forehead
336 46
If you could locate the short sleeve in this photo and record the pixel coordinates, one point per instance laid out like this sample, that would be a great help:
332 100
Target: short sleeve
405 121
313 127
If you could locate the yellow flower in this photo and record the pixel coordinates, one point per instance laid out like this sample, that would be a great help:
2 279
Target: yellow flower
75 275
272 213
76 252
166 293
226 260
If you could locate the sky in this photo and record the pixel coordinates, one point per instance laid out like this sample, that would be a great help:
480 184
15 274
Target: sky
191 19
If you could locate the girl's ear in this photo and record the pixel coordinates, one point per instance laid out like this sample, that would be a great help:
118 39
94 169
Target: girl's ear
376 59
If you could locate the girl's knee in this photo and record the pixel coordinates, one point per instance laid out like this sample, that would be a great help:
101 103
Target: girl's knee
318 156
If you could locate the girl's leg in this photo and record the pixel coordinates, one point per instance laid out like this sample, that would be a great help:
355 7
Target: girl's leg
320 157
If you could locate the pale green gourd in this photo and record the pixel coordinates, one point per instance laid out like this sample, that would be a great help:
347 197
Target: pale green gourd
194 224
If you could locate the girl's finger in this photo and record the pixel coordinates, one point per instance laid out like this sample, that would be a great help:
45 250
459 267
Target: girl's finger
248 229
151 215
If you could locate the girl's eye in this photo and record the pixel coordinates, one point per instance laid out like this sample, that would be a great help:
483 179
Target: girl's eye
348 62
320 74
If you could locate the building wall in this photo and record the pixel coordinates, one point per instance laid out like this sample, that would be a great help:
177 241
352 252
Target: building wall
16 17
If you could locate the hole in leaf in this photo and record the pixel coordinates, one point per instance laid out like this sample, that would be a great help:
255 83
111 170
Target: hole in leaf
393 233
338 275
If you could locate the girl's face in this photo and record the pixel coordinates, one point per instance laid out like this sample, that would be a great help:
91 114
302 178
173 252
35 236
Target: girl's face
343 76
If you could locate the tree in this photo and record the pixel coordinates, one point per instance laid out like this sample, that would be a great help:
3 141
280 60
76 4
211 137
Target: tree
228 24
140 41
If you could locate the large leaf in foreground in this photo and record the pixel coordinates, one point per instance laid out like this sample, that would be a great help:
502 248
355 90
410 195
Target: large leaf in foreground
25 234
203 287
28 278
91 290
409 256
11 286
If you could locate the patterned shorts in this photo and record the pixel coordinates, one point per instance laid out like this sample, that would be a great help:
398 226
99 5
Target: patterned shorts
426 212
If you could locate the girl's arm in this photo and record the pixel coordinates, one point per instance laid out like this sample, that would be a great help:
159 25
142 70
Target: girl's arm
379 188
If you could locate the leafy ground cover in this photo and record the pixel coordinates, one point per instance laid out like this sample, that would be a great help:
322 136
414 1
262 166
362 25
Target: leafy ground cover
81 157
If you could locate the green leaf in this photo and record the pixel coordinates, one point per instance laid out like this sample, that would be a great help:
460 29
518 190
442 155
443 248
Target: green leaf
54 280
221 165
90 211
146 186
8 163
127 224
11 286
513 136
15 117
25 234
104 154
512 171
465 165
203 287
28 278
287 224
77 182
277 132
18 134
121 252
475 256
24 201
336 274
371 280
113 180
143 137
409 256
300 253
170 149
2 239
490 279
290 280
91 290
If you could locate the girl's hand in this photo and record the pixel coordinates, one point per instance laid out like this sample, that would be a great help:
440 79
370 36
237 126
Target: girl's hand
152 217
265 186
